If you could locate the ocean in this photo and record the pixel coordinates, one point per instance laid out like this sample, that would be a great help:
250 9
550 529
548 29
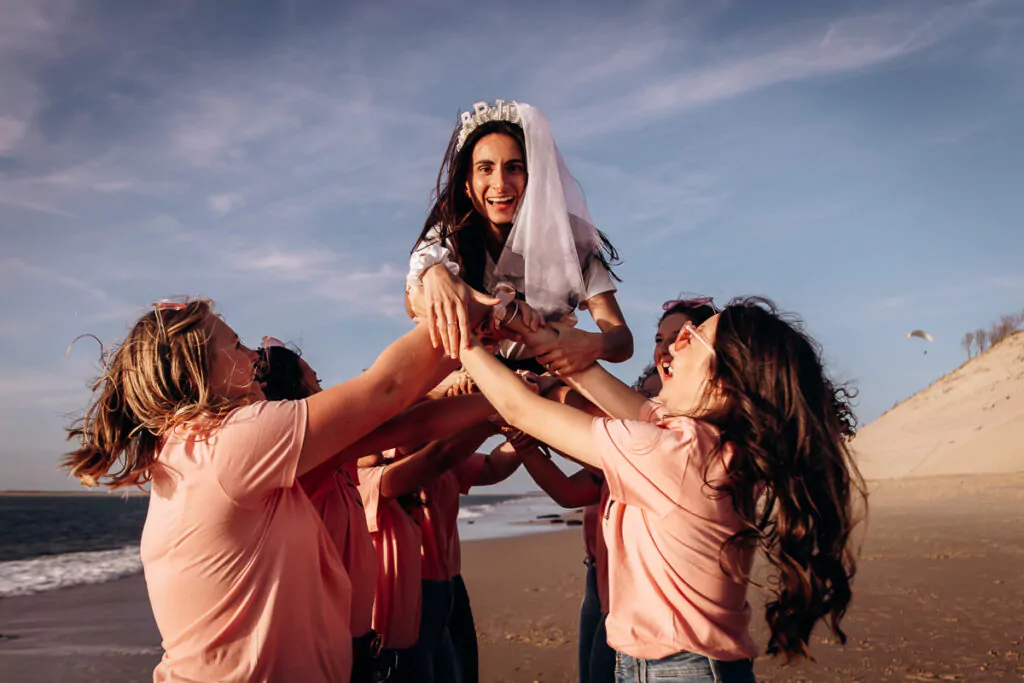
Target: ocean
53 541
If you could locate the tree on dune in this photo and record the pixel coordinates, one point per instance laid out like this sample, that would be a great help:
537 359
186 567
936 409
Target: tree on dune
968 343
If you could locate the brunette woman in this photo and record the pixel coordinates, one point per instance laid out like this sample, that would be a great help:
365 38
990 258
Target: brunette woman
744 450
508 214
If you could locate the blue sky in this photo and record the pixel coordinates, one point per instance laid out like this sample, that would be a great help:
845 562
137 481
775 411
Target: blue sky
858 162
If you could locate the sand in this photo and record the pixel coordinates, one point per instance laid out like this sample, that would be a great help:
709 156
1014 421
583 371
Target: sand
939 596
969 422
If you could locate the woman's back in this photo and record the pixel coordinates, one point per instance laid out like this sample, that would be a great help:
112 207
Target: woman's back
244 582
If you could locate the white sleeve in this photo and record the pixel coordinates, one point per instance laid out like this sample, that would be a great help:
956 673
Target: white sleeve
429 252
596 281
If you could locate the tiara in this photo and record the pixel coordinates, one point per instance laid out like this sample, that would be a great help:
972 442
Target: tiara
482 113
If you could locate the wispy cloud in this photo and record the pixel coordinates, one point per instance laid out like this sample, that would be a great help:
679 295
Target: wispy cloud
12 267
754 62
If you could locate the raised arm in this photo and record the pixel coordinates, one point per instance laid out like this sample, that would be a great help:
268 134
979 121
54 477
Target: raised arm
597 385
422 422
500 464
419 468
574 350
343 414
564 428
568 491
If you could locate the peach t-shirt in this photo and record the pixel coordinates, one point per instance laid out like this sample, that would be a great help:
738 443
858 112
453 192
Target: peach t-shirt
396 540
439 519
337 501
244 582
668 592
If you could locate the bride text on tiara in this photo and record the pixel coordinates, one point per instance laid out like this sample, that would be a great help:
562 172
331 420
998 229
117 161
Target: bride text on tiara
482 113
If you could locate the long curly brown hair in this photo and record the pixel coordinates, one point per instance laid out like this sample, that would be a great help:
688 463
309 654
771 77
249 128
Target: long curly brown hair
156 380
458 221
792 478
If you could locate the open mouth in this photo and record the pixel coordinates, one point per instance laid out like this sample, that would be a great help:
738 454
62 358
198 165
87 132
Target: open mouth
666 369
501 202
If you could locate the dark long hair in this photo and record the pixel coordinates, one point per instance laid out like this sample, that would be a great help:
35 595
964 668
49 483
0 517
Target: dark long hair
457 219
792 478
280 373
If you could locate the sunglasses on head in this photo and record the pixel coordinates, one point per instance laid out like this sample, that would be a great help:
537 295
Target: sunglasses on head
168 305
690 304
271 342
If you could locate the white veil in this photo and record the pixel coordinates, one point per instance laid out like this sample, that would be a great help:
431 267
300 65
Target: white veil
553 236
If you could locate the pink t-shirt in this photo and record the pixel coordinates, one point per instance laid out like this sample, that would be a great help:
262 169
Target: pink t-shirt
466 472
439 519
337 501
668 593
396 540
244 582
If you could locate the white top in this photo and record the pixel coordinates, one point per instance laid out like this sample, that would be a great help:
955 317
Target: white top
431 251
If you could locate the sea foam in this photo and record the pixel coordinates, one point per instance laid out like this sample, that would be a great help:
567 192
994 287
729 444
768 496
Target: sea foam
49 572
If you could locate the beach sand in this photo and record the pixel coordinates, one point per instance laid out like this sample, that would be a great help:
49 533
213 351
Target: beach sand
939 596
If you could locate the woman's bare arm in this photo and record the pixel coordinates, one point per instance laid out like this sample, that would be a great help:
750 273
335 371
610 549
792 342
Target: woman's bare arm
572 491
595 384
564 428
415 426
500 464
420 468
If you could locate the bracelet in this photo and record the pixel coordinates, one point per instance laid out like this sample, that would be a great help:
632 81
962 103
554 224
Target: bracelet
511 317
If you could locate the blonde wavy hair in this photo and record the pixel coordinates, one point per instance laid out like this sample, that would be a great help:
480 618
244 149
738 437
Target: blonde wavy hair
156 380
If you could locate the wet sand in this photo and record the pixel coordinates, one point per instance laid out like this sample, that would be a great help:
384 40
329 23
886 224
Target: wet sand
939 596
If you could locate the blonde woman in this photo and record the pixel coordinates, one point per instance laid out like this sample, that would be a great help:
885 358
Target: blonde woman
244 582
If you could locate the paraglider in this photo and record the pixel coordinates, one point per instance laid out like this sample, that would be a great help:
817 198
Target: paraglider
921 334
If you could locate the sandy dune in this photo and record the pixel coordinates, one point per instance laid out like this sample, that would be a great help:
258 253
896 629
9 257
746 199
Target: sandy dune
969 422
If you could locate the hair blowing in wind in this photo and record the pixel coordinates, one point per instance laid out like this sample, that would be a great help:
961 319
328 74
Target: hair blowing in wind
792 478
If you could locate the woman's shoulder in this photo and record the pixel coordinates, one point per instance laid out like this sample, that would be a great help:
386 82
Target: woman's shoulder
699 432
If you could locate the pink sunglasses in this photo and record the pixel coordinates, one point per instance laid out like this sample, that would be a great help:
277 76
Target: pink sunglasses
271 342
693 333
168 305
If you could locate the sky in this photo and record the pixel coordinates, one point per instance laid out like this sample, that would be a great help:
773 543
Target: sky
860 163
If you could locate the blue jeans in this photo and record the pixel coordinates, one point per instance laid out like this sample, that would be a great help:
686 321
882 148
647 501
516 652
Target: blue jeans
590 615
683 667
602 656
432 659
463 633
596 658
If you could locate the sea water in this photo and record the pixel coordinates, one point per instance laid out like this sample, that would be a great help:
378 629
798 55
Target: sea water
53 541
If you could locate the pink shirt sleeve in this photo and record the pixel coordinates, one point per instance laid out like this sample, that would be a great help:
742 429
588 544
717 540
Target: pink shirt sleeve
645 464
468 470
257 448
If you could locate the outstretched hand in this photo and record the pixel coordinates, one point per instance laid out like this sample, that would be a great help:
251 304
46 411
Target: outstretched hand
571 351
461 383
443 303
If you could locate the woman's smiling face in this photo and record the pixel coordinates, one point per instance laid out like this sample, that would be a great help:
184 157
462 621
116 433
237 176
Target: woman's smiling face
668 330
497 178
689 371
